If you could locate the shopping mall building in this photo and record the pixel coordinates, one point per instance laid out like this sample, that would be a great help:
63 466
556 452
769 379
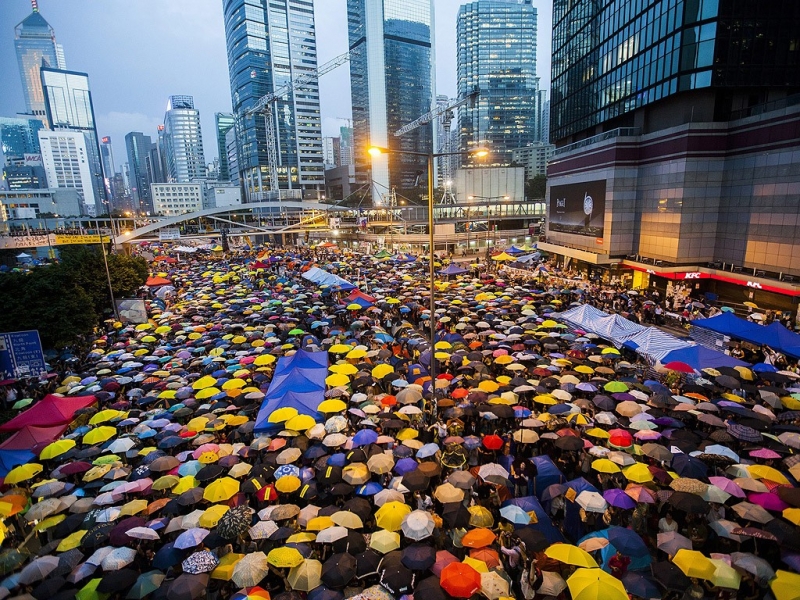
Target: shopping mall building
677 126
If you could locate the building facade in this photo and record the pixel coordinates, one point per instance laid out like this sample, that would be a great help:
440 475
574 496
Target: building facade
183 140
35 44
18 137
268 47
26 177
392 83
677 156
172 199
224 122
31 204
138 146
496 42
68 105
533 158
67 164
331 149
218 195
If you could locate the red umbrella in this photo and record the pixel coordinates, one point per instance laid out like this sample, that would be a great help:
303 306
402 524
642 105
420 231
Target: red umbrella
459 393
680 367
620 437
493 442
460 580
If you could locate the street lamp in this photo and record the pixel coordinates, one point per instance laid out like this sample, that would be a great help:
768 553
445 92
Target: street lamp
376 151
488 217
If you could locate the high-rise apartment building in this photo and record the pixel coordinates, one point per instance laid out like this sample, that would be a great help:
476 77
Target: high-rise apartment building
35 44
676 125
269 45
68 106
225 122
138 147
346 156
18 137
184 141
496 42
67 163
392 83
331 148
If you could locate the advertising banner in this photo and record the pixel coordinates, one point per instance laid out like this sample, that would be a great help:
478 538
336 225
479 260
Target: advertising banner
578 208
167 234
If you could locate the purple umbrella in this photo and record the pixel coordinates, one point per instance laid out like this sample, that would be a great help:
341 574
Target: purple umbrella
618 498
405 465
727 485
769 501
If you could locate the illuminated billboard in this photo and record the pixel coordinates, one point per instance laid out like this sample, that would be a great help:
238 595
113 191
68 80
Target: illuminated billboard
578 208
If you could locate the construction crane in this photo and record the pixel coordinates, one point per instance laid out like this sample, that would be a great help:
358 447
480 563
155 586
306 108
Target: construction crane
445 111
264 105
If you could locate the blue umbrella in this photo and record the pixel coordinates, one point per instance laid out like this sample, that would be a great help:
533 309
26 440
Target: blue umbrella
627 541
515 514
689 466
639 585
405 465
369 489
364 437
428 450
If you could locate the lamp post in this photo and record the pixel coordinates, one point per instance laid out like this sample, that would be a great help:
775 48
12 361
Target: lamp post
430 157
488 217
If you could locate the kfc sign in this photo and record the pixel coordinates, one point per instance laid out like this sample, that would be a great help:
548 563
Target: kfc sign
754 284
696 275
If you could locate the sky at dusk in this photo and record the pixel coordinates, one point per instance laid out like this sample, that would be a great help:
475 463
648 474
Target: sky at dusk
139 52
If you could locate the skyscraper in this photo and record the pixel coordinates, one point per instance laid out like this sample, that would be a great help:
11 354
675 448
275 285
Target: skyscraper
225 122
184 141
497 56
392 83
107 158
35 43
138 147
269 46
18 137
67 163
68 104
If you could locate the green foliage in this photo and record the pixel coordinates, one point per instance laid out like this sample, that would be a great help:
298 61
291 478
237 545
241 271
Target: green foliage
536 188
67 300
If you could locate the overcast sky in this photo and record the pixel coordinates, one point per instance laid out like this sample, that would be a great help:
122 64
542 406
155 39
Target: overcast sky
139 52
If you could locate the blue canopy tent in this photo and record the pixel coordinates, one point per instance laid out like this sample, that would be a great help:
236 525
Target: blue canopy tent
633 547
452 269
699 357
299 382
322 277
775 335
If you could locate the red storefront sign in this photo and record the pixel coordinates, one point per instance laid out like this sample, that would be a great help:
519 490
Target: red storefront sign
697 275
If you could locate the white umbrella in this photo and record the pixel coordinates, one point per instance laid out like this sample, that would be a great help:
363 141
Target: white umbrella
143 533
331 534
552 584
250 570
417 525
118 559
592 501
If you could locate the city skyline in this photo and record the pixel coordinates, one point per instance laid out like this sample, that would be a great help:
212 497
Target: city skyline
198 64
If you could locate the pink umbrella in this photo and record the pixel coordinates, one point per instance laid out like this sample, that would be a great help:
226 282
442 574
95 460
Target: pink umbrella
647 435
728 485
247 360
765 453
769 501
443 558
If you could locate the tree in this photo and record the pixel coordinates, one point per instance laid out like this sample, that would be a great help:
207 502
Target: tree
536 188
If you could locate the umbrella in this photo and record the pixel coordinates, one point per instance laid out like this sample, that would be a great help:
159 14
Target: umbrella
145 584
306 576
338 570
188 587
672 541
460 580
200 562
284 557
590 584
694 564
570 555
418 525
250 570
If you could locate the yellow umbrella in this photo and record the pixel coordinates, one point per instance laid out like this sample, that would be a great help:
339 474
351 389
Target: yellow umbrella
319 523
694 564
591 584
212 515
356 353
50 522
284 557
235 420
638 473
105 415
384 541
264 359
546 399
96 473
344 369
333 405
337 349
234 384
504 359
221 490
302 537
792 514
99 435
185 484
168 394
407 434
336 380
282 414
300 423
23 473
206 393
478 565
769 473
584 369
382 370
488 386
598 433
480 517
786 585
72 541
204 382
571 555
167 482
390 516
57 448
224 570
133 507
603 465
288 484
197 424
163 329
143 327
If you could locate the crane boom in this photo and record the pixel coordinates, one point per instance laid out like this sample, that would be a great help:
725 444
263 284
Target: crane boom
436 112
264 105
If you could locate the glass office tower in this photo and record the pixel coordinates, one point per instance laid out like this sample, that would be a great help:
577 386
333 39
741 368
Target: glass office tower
18 137
138 146
497 57
68 105
392 83
224 122
35 44
184 141
270 44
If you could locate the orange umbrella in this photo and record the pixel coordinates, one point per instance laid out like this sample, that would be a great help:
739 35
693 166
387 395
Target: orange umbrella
478 538
487 555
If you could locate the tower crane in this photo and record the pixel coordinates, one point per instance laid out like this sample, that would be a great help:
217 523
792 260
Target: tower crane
445 111
265 103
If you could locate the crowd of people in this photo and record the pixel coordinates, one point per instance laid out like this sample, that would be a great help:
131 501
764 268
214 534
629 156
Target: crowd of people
540 462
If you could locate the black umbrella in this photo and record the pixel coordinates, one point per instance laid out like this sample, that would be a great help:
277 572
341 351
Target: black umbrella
415 480
728 382
353 543
671 577
235 522
67 561
339 570
96 536
190 497
419 557
188 587
689 466
430 589
209 472
395 576
455 515
688 503
117 581
48 588
534 540
168 556
359 506
368 563
569 442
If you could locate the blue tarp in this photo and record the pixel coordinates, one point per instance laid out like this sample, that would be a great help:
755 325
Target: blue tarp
638 563
775 335
299 382
13 458
544 524
547 473
699 357
573 525
322 277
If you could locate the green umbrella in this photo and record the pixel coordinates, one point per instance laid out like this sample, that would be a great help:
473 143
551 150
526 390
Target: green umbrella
615 387
146 584
22 403
11 559
89 591
296 331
